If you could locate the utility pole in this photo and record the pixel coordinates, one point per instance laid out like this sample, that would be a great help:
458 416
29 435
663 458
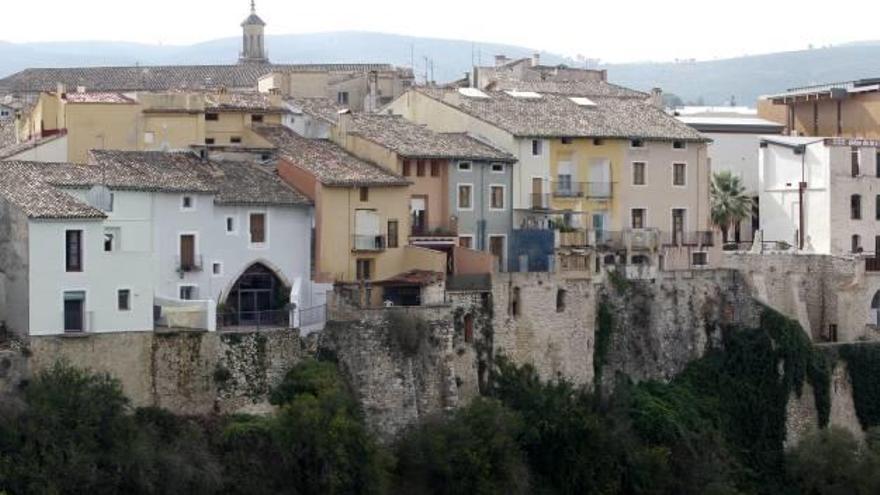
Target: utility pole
426 70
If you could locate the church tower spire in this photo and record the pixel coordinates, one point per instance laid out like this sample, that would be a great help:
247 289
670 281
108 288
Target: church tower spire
253 47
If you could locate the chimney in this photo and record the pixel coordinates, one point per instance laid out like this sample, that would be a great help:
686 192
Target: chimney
80 89
604 75
536 59
60 90
657 97
500 60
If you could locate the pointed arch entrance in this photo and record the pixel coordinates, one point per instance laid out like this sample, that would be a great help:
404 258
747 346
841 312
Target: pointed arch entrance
258 298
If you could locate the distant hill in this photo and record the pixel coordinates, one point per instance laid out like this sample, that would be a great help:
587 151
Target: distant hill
712 82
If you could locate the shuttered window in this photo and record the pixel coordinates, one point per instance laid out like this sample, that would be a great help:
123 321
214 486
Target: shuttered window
258 228
73 251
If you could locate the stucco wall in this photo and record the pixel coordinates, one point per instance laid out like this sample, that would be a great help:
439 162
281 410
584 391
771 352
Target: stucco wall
481 220
14 268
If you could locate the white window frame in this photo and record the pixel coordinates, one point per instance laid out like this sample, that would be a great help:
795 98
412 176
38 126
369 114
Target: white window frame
86 320
226 220
645 219
632 173
503 197
498 164
180 286
265 243
470 167
681 186
458 196
217 274
540 147
467 236
130 297
193 203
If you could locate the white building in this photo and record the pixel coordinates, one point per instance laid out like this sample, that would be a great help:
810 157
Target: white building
145 239
736 135
821 194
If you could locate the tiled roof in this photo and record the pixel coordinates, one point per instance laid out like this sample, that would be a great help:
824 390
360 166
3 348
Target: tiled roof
253 20
156 78
245 183
571 88
24 185
246 102
553 115
97 97
7 135
409 139
328 162
322 108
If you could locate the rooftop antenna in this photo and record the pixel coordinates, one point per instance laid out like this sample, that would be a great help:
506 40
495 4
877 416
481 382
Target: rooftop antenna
253 7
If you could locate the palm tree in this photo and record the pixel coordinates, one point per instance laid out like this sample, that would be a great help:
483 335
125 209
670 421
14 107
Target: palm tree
730 205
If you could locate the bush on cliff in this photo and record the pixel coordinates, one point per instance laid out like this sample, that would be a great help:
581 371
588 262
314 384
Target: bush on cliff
832 461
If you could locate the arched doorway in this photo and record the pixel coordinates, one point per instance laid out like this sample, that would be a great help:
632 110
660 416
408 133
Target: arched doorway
259 297
875 310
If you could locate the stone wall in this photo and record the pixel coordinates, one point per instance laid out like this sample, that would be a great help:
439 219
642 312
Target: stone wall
185 372
399 362
801 414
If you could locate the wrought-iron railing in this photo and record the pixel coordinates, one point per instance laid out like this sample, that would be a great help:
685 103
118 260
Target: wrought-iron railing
589 190
279 318
374 242
187 266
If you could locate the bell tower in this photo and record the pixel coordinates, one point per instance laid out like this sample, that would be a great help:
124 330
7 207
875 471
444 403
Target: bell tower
253 48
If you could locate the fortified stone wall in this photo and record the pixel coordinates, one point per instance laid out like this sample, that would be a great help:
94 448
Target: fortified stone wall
802 416
184 372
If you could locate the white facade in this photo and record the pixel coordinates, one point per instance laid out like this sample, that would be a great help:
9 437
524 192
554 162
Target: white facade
144 258
840 201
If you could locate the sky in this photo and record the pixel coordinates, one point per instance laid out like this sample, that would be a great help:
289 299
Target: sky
617 31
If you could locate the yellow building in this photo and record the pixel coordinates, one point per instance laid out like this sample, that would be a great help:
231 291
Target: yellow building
219 123
361 211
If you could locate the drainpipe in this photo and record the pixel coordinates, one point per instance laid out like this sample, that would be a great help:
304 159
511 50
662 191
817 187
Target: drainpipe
802 186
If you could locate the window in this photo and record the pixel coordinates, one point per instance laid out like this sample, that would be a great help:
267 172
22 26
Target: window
856 243
209 141
856 162
235 140
638 173
637 143
638 218
342 97
679 145
188 253
515 302
466 241
469 328
877 207
108 242
212 117
187 203
365 194
498 168
699 259
560 300
364 269
598 142
420 168
73 250
230 225
566 140
537 147
217 268
435 168
497 250
188 292
679 174
74 311
111 239
123 299
256 119
393 229
497 200
464 166
465 197
406 168
855 205
877 166
149 137
258 228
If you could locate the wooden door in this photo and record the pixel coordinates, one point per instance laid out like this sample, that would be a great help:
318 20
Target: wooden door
187 252
538 192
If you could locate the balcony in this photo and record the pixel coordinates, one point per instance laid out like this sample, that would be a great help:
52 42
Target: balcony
369 243
189 265
539 201
582 190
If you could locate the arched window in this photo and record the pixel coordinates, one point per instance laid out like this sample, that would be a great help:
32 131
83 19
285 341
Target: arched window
469 328
855 205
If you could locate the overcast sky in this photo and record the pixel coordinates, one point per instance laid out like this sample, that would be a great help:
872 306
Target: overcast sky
614 31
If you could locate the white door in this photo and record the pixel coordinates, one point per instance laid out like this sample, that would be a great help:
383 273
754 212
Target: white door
600 178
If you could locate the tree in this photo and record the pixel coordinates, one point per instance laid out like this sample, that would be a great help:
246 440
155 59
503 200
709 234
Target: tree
729 203
831 462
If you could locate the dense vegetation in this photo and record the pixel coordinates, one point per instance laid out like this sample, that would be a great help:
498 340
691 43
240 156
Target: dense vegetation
716 429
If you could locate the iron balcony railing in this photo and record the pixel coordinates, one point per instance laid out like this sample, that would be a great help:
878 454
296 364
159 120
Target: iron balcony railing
375 242
587 190
270 319
434 231
189 265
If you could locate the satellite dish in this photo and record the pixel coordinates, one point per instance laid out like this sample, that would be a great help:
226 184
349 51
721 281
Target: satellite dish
100 197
